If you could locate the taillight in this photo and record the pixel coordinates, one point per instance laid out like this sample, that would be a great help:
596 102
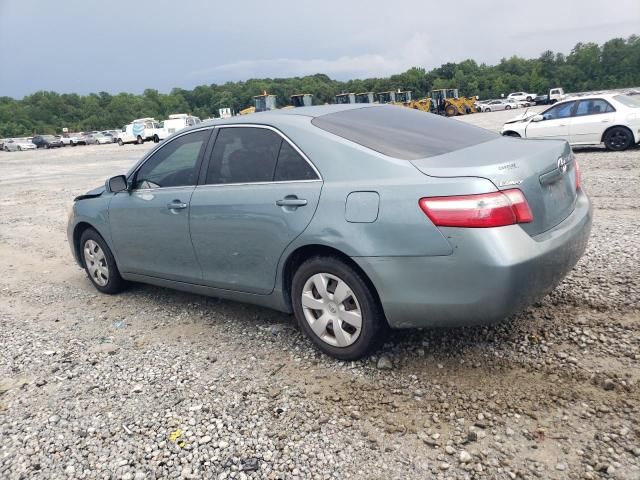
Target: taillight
576 167
495 209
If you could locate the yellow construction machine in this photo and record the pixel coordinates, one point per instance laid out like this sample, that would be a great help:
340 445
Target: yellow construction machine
447 102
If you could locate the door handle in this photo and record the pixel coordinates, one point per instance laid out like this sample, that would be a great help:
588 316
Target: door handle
291 202
176 205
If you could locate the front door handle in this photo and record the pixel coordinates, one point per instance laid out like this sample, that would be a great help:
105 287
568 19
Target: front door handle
176 205
291 202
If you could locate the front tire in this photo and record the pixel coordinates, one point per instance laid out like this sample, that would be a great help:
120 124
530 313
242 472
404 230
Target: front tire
487 109
156 139
120 142
99 263
508 107
336 308
618 139
451 111
139 140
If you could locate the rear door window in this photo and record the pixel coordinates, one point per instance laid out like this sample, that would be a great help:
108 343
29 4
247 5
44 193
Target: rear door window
291 166
402 132
593 106
243 155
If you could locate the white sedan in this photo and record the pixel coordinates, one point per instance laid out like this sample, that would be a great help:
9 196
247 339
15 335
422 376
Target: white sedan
19 145
612 119
495 105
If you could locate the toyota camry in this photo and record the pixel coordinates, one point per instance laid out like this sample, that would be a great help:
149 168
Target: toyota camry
355 218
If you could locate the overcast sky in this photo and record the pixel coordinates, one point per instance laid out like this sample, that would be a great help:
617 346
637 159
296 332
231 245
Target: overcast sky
88 45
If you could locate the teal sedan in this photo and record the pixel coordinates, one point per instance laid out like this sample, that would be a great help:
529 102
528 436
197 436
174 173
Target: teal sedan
355 218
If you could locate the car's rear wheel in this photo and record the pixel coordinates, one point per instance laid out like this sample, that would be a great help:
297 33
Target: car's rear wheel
156 139
618 138
99 263
508 107
139 140
487 109
336 308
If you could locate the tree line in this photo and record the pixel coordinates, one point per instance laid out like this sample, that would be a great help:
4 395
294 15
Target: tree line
588 66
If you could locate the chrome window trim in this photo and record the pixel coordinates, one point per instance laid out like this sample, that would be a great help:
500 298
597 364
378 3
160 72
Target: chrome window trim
160 147
256 183
284 137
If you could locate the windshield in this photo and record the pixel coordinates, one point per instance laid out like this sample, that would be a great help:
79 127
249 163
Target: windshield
401 132
628 100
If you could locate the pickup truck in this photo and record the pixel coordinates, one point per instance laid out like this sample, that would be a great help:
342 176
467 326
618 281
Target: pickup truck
554 95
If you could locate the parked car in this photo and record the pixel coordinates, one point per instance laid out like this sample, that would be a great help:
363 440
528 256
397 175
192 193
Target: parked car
495 105
18 144
47 141
522 96
97 139
612 119
273 209
177 122
541 99
110 134
517 103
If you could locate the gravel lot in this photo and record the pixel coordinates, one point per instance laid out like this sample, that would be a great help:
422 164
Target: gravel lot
155 383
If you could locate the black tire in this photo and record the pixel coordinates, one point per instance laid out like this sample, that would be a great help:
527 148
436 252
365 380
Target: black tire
487 109
115 283
552 102
156 139
451 111
374 324
512 134
508 107
120 142
139 140
529 99
618 139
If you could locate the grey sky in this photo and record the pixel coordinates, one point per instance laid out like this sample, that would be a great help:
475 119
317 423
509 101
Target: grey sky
86 45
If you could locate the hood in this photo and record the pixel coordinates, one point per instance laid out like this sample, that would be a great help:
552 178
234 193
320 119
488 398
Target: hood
96 192
526 115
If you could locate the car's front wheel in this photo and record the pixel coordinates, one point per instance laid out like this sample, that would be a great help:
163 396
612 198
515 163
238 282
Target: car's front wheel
618 138
508 107
99 263
336 308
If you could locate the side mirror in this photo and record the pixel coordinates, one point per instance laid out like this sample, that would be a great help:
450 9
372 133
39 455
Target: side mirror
117 184
537 118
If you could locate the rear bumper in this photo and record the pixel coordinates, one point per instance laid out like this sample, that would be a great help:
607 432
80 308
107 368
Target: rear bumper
491 273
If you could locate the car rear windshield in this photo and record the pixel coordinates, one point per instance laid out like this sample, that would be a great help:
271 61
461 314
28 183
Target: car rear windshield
628 100
402 132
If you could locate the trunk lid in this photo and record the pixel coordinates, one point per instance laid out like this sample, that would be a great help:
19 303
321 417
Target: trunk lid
543 169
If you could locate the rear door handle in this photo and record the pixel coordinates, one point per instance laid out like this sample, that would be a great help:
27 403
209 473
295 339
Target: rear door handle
291 202
176 205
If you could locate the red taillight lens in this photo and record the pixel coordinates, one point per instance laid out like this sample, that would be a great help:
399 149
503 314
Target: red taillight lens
485 210
576 167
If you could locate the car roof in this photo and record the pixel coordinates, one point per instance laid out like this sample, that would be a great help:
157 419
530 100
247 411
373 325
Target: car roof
592 96
309 112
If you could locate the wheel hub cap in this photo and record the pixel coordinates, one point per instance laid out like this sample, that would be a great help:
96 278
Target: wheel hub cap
96 263
332 310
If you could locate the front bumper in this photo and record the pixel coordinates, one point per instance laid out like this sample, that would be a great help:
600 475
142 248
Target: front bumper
491 274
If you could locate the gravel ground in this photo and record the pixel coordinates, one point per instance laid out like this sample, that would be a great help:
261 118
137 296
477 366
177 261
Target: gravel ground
155 383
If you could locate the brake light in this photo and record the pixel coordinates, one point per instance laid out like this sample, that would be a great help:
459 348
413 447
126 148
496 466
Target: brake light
576 167
484 210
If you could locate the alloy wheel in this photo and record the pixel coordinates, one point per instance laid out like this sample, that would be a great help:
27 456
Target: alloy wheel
96 262
619 139
332 310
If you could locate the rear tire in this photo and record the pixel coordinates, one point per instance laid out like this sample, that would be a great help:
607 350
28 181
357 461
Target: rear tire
139 140
349 322
156 139
99 263
618 139
487 109
508 107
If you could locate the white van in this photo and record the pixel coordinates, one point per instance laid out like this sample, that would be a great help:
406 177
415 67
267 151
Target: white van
139 131
177 122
